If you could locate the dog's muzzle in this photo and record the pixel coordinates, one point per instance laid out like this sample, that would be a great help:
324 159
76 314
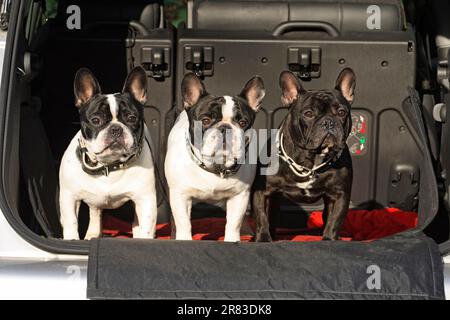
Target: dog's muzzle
206 162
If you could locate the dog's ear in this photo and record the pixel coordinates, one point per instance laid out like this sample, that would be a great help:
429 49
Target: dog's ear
290 88
192 89
254 92
136 84
345 83
85 86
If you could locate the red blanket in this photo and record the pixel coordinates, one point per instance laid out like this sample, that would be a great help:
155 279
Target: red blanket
360 225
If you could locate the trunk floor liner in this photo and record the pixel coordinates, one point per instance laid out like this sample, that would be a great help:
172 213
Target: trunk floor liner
360 225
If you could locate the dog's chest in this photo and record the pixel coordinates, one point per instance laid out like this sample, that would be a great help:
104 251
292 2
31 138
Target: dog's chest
302 191
306 185
106 192
104 200
200 184
215 189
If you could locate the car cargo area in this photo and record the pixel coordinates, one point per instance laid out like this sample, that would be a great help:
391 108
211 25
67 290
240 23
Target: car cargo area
394 187
398 142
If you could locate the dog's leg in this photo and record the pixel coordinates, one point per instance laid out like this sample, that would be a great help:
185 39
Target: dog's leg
135 225
327 208
273 212
181 211
173 228
146 214
261 207
337 209
69 216
95 224
236 208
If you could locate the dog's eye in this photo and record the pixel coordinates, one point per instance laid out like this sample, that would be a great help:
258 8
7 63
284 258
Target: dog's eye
242 123
131 119
341 113
96 121
308 114
206 121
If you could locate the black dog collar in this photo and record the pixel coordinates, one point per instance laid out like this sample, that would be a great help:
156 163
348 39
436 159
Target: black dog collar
222 173
92 166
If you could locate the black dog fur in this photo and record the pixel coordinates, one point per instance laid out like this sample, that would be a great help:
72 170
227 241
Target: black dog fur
317 121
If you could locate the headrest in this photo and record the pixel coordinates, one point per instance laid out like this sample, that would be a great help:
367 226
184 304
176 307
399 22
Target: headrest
265 15
145 11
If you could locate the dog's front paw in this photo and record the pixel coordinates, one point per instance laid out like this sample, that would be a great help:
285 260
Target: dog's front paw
90 236
263 237
71 235
143 237
181 236
233 238
327 238
142 234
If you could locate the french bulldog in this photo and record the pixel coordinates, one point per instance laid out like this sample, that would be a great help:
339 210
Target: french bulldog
109 161
213 169
314 160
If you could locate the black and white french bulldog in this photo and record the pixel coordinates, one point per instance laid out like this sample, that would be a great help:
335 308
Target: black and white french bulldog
213 168
314 160
109 160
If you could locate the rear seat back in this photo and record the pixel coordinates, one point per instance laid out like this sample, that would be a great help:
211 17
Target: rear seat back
392 165
266 15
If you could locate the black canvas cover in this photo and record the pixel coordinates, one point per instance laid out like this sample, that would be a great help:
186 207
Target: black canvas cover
407 266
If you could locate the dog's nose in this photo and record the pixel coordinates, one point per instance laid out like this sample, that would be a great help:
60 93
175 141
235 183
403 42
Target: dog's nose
116 131
224 127
328 124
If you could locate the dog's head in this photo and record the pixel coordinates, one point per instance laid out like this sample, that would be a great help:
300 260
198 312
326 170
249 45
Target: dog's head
320 120
220 121
111 124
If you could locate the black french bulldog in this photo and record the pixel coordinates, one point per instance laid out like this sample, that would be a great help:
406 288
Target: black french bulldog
314 160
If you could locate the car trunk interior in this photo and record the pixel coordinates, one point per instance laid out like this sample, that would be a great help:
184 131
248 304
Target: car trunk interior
42 119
